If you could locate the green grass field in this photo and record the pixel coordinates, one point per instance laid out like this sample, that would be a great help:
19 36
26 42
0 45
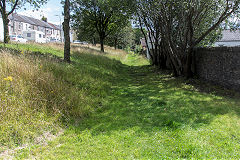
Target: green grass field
109 106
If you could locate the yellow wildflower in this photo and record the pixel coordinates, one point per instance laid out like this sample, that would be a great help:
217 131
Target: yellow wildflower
8 79
22 52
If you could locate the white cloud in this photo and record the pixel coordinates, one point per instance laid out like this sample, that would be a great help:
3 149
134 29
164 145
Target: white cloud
46 12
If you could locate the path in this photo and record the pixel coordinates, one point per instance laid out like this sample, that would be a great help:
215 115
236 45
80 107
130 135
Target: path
148 116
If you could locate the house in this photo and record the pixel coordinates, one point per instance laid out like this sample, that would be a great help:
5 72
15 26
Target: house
229 38
143 43
35 36
20 23
1 29
57 34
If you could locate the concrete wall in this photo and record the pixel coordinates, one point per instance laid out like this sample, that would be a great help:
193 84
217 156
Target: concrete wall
220 65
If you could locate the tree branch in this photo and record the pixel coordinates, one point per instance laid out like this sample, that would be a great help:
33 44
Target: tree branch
14 7
1 6
223 17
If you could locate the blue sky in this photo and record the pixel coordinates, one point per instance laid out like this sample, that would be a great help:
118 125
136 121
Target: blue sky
49 10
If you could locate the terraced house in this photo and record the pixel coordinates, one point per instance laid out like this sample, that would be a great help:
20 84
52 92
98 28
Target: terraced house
19 23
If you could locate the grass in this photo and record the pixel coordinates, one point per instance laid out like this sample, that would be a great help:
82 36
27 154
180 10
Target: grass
35 48
44 94
124 110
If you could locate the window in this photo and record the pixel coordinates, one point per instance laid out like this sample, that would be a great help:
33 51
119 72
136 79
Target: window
40 36
29 35
19 26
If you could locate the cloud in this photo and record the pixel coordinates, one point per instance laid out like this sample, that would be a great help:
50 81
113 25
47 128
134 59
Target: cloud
48 12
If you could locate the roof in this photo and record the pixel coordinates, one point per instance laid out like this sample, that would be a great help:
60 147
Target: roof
20 18
230 35
30 20
54 26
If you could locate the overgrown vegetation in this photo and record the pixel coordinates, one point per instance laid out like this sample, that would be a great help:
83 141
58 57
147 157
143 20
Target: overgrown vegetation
175 28
39 93
112 109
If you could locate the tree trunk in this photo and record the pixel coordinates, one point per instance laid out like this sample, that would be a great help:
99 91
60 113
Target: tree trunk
94 41
5 26
66 29
188 65
115 43
102 44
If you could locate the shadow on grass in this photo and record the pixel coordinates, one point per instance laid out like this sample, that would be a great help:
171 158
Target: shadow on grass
139 97
155 102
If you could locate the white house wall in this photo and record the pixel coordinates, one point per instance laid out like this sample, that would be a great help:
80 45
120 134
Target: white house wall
1 30
26 26
17 28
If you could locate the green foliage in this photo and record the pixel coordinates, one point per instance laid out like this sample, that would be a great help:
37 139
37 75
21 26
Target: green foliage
44 19
122 37
101 17
119 110
21 3
138 49
126 37
138 35
177 27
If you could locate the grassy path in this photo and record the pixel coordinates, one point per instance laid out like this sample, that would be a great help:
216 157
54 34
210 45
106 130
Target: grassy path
149 116
135 112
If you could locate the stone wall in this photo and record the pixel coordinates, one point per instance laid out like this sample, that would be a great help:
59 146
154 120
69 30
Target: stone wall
219 65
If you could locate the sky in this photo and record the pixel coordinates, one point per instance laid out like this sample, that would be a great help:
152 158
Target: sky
52 10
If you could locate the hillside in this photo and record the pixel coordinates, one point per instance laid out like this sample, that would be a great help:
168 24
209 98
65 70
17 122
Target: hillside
108 106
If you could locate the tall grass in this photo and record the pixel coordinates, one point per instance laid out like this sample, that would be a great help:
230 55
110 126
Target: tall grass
41 93
25 100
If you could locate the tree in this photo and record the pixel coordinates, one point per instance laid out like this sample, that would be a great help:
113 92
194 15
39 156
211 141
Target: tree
44 19
177 27
148 16
15 4
123 37
85 32
66 29
138 35
105 16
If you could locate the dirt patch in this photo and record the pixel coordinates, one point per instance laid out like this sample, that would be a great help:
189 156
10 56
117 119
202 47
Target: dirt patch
41 140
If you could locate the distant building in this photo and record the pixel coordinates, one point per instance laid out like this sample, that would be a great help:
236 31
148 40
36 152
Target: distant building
57 32
229 38
143 43
1 28
19 23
